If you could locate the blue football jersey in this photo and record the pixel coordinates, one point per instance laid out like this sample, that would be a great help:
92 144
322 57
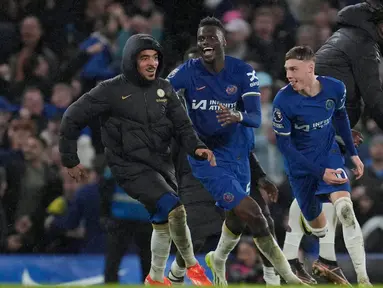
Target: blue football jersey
308 121
235 87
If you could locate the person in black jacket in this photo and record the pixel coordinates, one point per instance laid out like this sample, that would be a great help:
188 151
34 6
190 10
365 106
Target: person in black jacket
352 55
204 218
139 115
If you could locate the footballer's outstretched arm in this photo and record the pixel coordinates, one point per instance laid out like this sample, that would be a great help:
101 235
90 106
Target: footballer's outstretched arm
77 117
252 115
342 123
282 129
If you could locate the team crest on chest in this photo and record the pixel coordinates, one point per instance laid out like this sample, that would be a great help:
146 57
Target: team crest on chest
160 93
231 89
330 104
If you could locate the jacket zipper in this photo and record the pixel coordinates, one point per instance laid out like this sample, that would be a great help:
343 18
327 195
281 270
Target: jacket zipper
148 121
146 107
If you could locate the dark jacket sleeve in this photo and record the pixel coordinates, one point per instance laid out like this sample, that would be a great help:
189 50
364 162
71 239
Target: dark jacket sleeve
185 134
256 169
77 117
366 73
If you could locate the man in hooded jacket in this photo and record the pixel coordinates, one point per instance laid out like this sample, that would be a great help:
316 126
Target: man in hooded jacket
139 114
352 55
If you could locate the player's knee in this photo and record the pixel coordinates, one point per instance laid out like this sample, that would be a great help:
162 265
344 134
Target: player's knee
345 211
255 220
168 203
178 214
161 229
234 224
261 227
319 232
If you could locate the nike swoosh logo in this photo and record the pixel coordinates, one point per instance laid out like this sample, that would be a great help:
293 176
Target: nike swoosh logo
26 279
124 97
200 88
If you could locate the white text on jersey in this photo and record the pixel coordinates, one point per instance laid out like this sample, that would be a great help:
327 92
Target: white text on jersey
212 105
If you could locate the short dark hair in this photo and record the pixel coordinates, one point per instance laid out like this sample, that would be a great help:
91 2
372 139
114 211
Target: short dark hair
211 21
304 53
32 89
23 124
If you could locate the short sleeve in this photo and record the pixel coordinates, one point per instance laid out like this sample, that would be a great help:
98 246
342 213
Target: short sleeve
178 77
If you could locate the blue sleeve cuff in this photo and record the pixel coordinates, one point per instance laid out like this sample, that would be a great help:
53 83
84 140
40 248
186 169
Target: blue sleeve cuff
251 120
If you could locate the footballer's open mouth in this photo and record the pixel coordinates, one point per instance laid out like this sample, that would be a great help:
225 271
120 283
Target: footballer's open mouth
151 70
208 51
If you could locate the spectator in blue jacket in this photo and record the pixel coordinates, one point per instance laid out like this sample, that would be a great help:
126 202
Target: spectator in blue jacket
80 217
98 67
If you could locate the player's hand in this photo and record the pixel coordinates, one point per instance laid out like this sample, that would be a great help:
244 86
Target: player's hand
227 116
357 137
270 188
331 178
359 167
207 154
78 173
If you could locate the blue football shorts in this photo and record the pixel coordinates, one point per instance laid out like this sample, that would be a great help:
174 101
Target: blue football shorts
228 182
310 192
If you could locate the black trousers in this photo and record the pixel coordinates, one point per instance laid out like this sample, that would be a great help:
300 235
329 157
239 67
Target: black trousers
121 234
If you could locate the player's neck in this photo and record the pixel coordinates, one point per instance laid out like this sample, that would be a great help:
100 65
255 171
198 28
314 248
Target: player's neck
312 89
215 67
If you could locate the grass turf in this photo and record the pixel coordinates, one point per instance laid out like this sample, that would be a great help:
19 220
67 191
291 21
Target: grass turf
141 286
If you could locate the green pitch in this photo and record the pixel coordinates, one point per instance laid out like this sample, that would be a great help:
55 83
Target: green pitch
142 286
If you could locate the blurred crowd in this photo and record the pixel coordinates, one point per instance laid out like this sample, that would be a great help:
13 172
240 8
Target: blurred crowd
53 51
